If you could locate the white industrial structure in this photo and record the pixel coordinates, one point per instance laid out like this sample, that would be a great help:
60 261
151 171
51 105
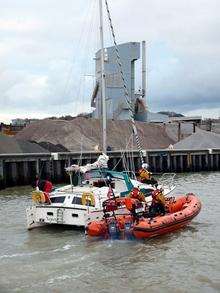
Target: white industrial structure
116 106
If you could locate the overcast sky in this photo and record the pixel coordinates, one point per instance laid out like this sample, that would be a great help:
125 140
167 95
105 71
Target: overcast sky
47 46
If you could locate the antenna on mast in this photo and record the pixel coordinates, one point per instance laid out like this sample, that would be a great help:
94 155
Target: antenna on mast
103 90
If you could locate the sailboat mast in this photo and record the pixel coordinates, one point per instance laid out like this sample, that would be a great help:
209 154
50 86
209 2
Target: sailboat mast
103 90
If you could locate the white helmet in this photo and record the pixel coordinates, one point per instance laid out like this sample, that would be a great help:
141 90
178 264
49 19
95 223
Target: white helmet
145 166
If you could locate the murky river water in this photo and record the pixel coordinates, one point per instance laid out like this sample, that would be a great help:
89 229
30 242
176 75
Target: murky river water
57 260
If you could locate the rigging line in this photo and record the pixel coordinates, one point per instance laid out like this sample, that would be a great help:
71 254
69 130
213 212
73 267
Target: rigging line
88 40
41 168
126 165
81 151
130 156
123 162
84 48
91 39
76 47
129 160
132 153
129 103
77 95
123 152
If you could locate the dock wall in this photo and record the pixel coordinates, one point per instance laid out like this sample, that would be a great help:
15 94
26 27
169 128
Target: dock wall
20 169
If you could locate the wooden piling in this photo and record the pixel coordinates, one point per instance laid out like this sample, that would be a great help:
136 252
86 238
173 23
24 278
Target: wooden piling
2 175
189 162
161 163
175 163
22 168
181 163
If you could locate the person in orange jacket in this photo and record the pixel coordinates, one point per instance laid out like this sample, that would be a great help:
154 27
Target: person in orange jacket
137 194
158 203
145 176
135 201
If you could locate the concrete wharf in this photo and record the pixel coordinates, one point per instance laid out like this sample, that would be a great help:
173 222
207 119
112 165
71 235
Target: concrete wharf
20 169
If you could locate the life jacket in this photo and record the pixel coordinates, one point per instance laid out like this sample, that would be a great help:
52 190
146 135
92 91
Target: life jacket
158 197
110 205
137 194
144 174
130 203
48 186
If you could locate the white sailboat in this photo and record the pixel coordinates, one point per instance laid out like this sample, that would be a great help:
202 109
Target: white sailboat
70 205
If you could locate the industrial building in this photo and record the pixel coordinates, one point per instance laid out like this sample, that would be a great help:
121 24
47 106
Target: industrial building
116 105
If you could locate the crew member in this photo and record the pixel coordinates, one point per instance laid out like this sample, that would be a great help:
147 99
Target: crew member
134 202
137 194
145 176
158 203
43 185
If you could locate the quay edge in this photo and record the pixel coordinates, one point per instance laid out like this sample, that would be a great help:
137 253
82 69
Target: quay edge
20 169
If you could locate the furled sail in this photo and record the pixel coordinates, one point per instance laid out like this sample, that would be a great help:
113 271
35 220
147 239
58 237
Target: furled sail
102 162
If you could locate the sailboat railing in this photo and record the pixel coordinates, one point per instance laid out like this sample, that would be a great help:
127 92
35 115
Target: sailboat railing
131 174
167 179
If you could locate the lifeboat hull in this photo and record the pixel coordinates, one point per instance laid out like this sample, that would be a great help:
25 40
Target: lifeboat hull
184 209
181 211
101 228
96 228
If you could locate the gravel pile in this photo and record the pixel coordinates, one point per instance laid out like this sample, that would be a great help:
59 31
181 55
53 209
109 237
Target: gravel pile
85 133
11 145
201 139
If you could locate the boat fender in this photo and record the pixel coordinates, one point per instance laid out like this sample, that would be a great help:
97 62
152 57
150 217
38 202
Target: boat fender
38 196
88 197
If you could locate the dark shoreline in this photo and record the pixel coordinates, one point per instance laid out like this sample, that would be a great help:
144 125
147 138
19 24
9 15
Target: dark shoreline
21 169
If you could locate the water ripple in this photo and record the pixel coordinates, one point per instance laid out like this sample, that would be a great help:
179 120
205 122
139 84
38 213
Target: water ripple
63 260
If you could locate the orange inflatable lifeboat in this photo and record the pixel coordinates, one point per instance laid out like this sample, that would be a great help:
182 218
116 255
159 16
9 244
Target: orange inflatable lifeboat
180 211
